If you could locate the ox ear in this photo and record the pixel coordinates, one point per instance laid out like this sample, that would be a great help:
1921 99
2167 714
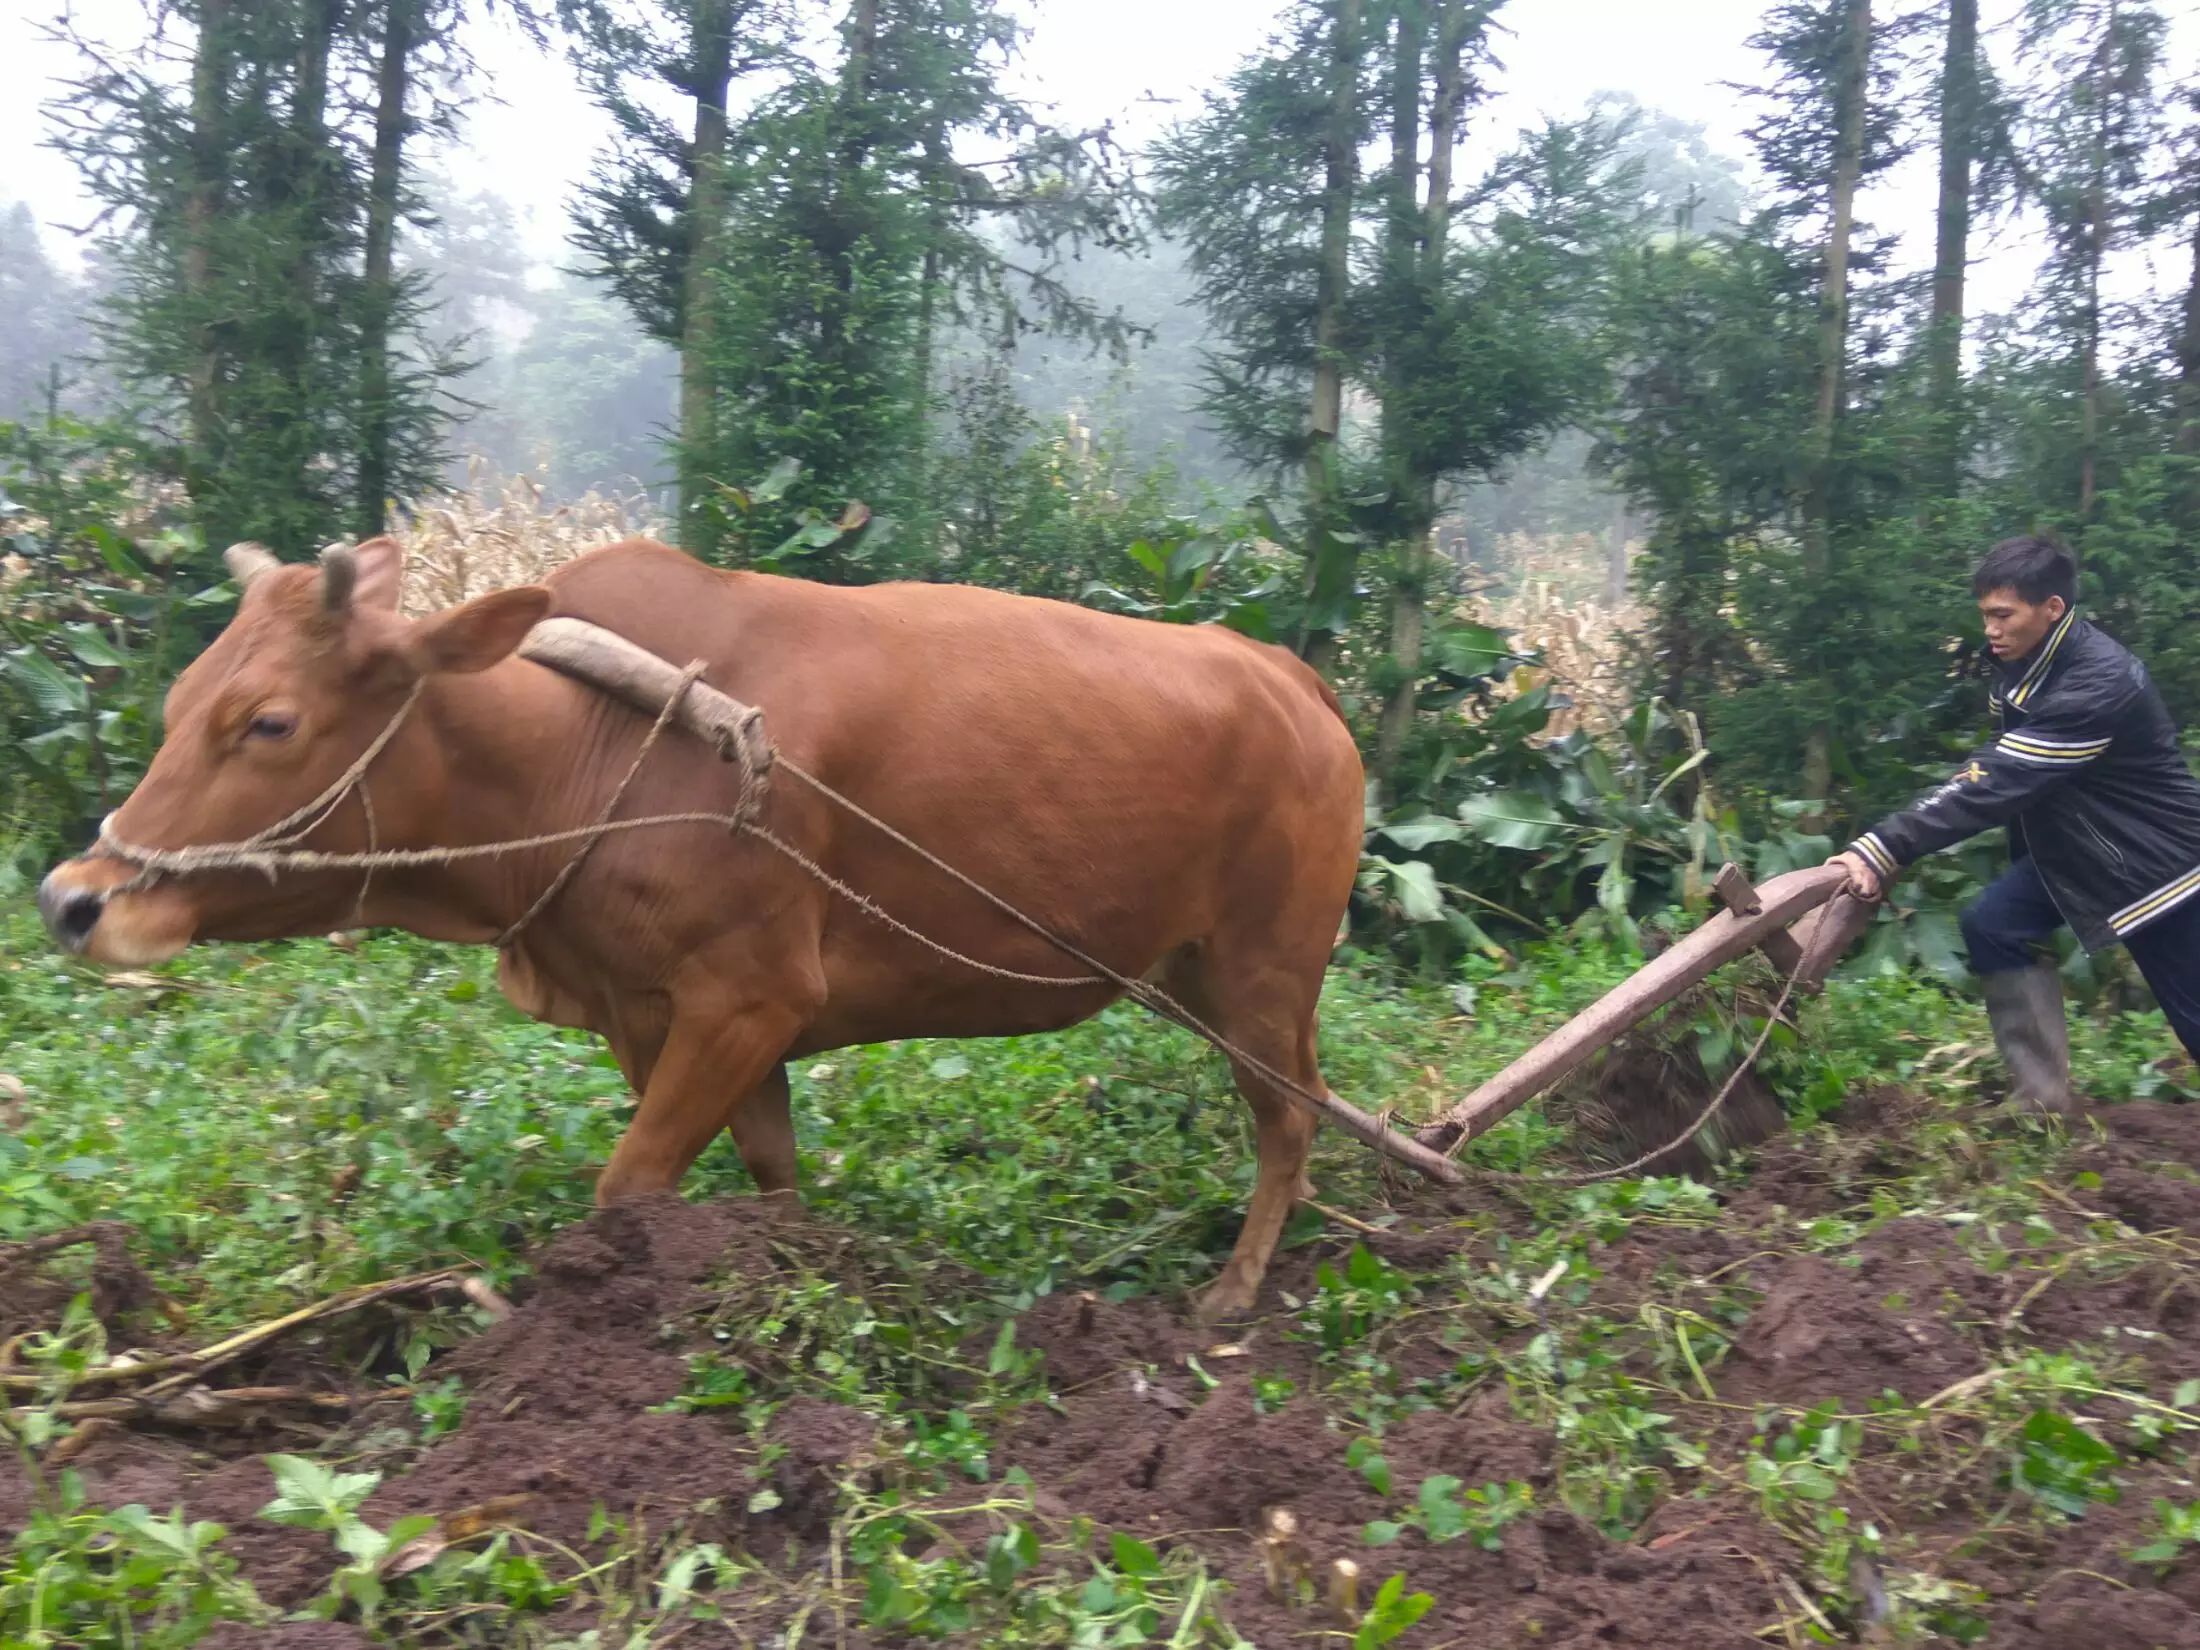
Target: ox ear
381 576
476 634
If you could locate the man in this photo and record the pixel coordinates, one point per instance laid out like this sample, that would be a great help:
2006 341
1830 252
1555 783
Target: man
2103 817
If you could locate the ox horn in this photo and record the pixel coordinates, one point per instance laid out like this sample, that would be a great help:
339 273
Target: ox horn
339 574
247 562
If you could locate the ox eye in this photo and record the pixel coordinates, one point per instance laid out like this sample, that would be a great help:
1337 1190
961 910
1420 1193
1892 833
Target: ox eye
271 724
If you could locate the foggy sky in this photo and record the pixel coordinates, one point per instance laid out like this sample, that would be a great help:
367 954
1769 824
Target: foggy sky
1136 62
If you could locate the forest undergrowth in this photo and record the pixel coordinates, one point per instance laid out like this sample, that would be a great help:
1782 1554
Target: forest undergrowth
1908 1372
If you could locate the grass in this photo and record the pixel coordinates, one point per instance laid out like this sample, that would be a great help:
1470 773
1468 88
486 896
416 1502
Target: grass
278 1122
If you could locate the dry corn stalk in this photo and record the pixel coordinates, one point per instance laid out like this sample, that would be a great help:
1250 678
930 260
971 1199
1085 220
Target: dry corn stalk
504 530
1555 609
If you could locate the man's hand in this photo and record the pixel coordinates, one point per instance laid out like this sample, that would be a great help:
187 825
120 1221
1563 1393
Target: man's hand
1863 880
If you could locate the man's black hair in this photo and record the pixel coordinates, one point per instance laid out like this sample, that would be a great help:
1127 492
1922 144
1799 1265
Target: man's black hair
2034 566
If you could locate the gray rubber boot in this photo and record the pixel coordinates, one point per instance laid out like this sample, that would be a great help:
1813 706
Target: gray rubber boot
2025 1008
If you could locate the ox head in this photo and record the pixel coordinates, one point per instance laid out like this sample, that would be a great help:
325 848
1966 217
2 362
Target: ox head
311 670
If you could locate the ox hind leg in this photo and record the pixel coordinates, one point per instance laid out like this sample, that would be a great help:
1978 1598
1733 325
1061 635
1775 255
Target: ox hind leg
1269 1012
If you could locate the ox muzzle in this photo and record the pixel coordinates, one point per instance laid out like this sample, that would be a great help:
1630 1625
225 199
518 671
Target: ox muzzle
71 910
96 907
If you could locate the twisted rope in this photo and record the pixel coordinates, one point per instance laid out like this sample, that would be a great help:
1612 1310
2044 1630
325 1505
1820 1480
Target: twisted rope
571 868
275 849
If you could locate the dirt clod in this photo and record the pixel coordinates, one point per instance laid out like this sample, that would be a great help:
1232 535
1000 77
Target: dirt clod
1820 1333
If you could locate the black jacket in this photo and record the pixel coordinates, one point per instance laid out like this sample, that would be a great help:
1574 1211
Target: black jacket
2086 774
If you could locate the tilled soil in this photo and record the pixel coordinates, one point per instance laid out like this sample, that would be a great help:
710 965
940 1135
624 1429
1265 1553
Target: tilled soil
570 1409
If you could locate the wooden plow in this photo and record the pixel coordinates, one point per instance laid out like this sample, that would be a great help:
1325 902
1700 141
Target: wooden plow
1803 922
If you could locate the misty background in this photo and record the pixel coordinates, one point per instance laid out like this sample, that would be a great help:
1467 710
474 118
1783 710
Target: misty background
564 385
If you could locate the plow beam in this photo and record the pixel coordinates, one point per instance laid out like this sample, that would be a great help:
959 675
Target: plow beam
1753 918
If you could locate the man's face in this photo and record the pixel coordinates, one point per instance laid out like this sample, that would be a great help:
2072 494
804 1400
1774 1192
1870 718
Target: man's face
2014 626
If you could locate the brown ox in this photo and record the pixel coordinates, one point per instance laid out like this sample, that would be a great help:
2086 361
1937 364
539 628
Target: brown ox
1183 803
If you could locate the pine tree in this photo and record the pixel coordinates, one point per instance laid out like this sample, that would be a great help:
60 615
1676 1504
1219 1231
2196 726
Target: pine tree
1263 190
227 154
2187 201
45 339
1960 121
652 219
2091 150
809 297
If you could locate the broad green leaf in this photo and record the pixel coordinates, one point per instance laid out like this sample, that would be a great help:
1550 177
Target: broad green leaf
1470 650
1250 618
1511 819
1415 834
115 553
1149 557
55 691
1193 555
1365 1459
1413 885
777 480
1443 1514
1133 1557
315 1496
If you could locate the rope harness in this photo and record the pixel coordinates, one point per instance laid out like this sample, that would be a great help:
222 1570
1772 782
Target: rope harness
278 848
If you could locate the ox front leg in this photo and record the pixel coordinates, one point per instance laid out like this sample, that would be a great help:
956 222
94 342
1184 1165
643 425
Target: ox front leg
720 1068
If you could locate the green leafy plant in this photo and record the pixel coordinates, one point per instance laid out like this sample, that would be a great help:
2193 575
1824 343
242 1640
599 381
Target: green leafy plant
124 1580
440 1407
1443 1513
312 1496
1805 1461
2058 1462
1391 1613
2175 1530
1226 572
1348 1306
102 599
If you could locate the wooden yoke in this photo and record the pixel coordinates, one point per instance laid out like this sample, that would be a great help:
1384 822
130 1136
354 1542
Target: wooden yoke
637 677
1758 918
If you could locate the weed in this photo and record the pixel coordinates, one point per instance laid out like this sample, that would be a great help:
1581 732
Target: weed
1348 1307
2176 1529
2058 1462
123 1580
1442 1513
1390 1614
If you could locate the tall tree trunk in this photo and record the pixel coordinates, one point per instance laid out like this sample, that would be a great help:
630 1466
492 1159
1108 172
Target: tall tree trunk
1851 86
1332 285
929 273
1416 558
307 192
1959 95
2188 372
204 201
936 187
861 77
712 71
379 299
844 226
2096 253
1615 555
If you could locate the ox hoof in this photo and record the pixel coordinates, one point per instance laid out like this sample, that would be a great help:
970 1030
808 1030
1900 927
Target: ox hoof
1227 1297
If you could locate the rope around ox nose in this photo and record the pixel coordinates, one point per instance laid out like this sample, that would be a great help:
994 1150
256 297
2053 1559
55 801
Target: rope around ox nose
277 849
